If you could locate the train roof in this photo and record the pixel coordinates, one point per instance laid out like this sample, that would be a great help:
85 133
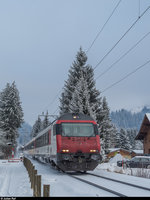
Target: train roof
73 116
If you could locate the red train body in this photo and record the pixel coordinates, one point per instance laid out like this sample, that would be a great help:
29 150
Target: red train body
71 142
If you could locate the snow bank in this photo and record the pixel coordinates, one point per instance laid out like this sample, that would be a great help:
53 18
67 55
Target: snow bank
116 158
111 166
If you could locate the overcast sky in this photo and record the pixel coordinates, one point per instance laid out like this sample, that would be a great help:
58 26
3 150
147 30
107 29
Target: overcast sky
39 40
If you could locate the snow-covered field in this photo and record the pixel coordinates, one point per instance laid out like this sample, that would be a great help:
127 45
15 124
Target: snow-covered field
14 180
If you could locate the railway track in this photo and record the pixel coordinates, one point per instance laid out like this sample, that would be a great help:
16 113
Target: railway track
99 186
106 188
118 181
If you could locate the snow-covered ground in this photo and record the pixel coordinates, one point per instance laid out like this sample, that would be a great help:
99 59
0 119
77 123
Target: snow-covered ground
14 180
112 167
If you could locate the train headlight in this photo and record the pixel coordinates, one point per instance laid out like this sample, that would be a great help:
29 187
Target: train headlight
65 150
93 150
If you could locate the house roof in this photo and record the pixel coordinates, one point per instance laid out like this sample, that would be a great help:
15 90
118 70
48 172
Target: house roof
145 126
138 151
118 149
148 116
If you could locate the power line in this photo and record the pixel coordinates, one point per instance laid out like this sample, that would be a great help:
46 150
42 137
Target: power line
110 49
53 99
123 55
126 76
122 37
56 110
104 71
103 27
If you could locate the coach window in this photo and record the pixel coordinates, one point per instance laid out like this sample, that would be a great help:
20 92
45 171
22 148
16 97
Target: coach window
47 138
54 129
44 138
41 141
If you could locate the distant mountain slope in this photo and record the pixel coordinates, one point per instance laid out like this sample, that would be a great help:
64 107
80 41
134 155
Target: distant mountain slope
24 133
128 119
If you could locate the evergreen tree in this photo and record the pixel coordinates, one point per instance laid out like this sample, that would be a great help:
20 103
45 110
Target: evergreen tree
127 144
81 98
134 144
37 127
124 139
11 114
113 136
131 135
118 140
107 129
80 94
3 143
45 122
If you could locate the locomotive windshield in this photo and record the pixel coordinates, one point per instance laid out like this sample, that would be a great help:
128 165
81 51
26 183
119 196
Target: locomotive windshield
78 129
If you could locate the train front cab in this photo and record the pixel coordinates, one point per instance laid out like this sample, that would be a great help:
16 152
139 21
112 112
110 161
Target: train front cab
78 145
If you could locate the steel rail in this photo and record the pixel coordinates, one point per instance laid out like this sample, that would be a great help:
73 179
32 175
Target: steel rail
122 182
98 186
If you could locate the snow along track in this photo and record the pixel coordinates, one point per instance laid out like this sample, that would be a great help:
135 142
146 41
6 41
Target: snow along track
99 186
112 182
90 183
122 182
117 187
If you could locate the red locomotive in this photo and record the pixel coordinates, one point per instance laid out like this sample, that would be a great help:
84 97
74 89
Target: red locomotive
71 143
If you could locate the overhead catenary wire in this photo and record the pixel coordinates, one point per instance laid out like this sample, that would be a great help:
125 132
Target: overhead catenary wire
112 85
103 27
122 37
140 16
121 57
129 74
53 100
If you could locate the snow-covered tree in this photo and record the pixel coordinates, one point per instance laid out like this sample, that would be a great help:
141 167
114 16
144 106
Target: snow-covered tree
80 94
124 139
3 143
134 144
131 135
37 127
113 135
45 122
107 129
118 140
11 113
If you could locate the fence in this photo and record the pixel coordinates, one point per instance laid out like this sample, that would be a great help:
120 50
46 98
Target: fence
35 180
